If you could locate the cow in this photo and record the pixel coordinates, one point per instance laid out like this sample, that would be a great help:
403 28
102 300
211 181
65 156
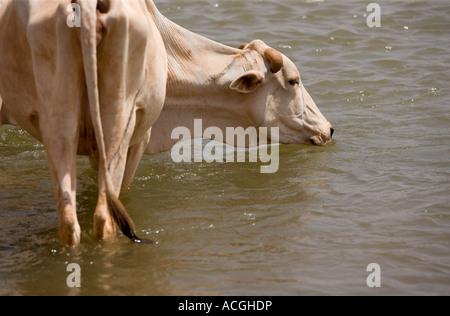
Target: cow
253 86
92 90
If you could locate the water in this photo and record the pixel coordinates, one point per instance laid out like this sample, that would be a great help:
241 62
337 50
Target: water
378 194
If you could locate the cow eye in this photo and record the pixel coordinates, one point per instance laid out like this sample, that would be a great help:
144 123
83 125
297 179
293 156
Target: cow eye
294 82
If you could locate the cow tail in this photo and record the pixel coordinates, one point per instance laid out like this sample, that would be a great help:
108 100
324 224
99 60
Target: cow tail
89 48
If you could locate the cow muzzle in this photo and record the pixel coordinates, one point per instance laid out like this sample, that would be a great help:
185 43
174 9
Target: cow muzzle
323 138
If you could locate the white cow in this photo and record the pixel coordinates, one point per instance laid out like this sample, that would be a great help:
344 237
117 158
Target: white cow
94 90
97 92
255 86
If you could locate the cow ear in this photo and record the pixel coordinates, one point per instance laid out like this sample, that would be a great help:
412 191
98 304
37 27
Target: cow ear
248 82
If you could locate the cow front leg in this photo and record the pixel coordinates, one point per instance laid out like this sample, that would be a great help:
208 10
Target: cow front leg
134 157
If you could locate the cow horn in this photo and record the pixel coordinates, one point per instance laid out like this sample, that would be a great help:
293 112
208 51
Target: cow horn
243 46
275 58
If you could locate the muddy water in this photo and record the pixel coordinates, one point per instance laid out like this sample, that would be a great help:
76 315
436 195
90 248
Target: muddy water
378 194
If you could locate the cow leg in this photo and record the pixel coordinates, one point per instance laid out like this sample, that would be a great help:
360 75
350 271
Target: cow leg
134 157
58 82
61 157
125 36
58 122
59 131
104 225
123 46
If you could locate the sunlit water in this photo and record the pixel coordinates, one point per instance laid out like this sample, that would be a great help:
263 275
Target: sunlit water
378 194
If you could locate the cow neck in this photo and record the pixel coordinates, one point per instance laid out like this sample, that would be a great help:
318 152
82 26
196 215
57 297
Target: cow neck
193 60
197 87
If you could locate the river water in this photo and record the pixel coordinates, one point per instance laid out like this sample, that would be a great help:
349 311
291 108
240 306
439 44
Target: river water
380 193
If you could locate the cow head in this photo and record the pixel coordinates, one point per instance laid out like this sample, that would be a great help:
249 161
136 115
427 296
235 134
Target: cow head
278 97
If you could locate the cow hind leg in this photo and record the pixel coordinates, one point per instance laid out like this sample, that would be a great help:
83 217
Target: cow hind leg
59 128
58 83
108 205
61 148
124 34
69 231
104 226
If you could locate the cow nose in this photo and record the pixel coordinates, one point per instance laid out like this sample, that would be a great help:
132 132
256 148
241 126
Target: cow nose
331 132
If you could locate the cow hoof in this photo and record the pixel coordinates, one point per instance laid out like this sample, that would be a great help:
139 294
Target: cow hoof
104 228
69 235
